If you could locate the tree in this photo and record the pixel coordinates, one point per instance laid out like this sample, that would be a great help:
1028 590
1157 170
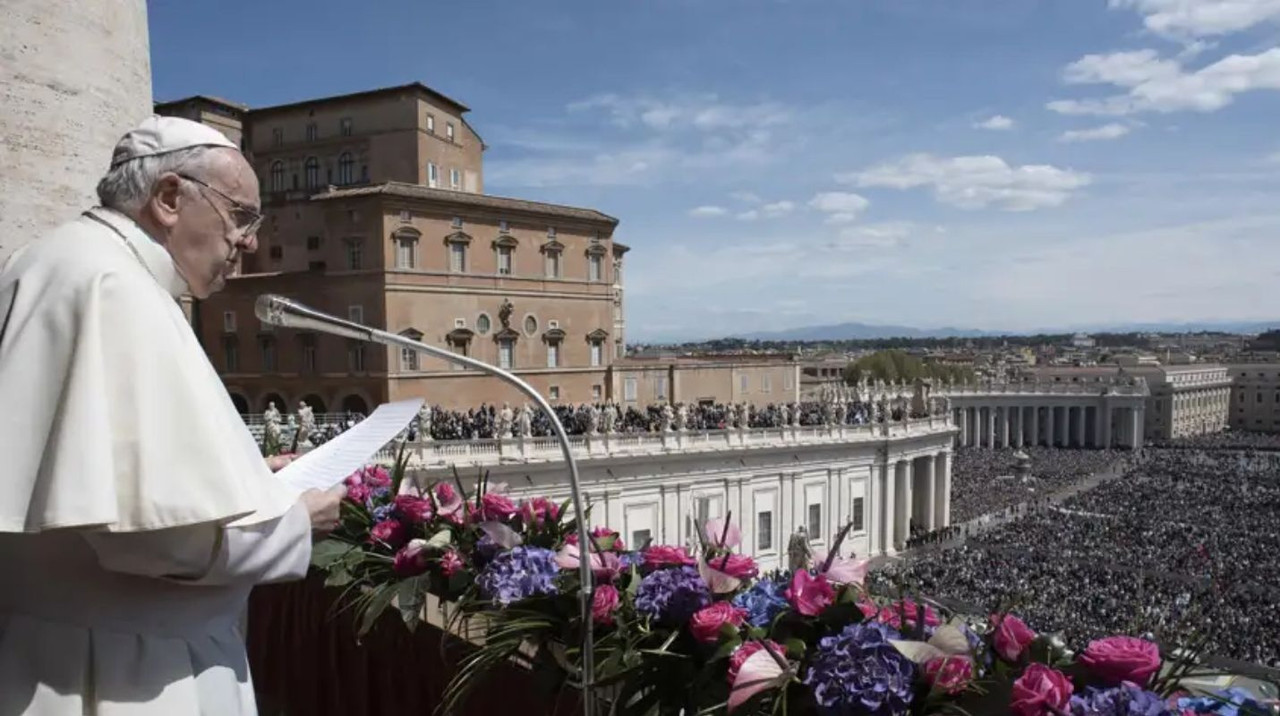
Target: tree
896 365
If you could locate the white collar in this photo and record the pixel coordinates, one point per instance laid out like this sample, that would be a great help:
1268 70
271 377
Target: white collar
155 258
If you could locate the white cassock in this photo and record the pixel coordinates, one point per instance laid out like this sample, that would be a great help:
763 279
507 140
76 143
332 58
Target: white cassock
136 511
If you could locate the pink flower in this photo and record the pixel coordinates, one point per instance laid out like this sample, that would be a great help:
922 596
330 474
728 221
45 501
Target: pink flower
706 622
808 594
539 510
604 603
601 540
1122 658
1037 689
1012 636
843 571
451 563
739 566
719 536
745 651
662 555
950 674
376 476
894 614
754 673
449 505
392 533
496 507
604 567
411 560
414 509
868 608
357 492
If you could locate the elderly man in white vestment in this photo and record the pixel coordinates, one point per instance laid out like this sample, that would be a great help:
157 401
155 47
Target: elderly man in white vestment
136 512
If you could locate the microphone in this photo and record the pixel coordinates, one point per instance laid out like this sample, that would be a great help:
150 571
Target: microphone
280 311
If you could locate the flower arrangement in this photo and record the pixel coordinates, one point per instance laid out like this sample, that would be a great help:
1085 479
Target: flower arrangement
705 632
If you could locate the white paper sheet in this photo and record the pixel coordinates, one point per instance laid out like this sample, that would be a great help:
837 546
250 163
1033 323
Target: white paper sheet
333 461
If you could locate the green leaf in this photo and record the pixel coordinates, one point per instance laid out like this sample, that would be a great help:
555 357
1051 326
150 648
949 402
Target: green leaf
375 606
795 648
440 540
326 552
338 576
726 649
410 598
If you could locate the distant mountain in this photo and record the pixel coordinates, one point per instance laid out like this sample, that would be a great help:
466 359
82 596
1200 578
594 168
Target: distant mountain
862 331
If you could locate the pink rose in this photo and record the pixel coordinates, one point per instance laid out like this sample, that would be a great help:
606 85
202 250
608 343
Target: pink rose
539 510
744 652
950 674
601 540
894 614
357 492
376 476
411 560
604 603
662 555
496 507
706 622
414 509
739 566
448 502
1039 688
1012 636
809 594
868 608
393 533
451 563
1122 658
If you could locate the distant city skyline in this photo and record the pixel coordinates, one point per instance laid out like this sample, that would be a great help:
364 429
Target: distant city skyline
989 164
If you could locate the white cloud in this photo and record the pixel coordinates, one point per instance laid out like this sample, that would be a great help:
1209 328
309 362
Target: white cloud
998 122
1154 84
883 235
841 207
778 208
749 215
975 182
704 212
745 196
702 112
1201 18
1114 130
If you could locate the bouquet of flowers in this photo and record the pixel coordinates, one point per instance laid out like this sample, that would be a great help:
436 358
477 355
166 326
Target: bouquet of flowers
706 633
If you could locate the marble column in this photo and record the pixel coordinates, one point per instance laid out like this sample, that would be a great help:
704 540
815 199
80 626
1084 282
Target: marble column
1137 429
887 507
964 426
1035 426
1106 423
1018 420
1050 430
1064 428
991 427
902 503
1080 426
929 499
1005 412
942 495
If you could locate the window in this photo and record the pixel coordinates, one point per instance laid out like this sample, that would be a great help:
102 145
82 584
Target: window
268 355
433 175
458 257
503 227
277 176
554 392
597 392
457 222
859 516
766 383
313 243
277 137
228 321
743 383
431 123
551 232
553 354
640 539
506 353
483 324
448 130
313 132
230 355
597 353
505 256
595 267
814 525
355 357
530 325
406 252
408 360
355 254
346 169
629 389
277 253
311 171
455 179
355 313
764 531
660 388
552 268
308 342
344 126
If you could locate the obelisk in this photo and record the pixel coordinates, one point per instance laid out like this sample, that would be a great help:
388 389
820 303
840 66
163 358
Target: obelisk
75 75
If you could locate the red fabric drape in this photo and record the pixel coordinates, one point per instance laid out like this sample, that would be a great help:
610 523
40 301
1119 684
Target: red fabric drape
306 662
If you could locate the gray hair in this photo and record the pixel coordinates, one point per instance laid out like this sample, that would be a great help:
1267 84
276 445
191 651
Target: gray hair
127 186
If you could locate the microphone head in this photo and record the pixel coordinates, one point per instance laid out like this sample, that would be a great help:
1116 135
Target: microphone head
271 308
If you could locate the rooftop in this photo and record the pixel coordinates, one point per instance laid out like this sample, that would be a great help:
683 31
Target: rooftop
202 98
412 86
488 201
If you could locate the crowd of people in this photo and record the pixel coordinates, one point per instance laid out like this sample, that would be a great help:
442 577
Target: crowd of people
1184 540
1226 440
984 481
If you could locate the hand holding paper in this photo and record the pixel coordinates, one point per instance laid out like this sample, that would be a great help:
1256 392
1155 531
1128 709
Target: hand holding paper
328 464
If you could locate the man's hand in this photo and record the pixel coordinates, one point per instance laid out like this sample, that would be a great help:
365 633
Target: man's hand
323 506
276 463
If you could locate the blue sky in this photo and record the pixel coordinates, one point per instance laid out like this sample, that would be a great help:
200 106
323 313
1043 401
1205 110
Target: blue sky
996 164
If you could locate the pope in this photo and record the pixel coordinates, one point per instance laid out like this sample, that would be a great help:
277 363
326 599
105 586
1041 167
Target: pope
136 511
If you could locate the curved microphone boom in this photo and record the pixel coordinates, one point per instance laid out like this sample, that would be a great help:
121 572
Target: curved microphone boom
280 311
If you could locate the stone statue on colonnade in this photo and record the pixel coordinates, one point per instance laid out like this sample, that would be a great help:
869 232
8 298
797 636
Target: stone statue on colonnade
610 417
841 412
271 424
424 421
306 424
506 421
730 416
593 420
785 412
667 417
798 552
795 415
526 421
682 418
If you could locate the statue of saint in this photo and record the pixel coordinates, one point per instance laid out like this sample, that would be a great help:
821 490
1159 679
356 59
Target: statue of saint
667 418
610 417
841 412
798 552
730 416
682 418
795 415
506 421
271 424
306 424
504 312
784 414
526 421
593 420
424 422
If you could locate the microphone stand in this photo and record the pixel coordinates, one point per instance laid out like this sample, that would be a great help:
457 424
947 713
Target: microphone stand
280 311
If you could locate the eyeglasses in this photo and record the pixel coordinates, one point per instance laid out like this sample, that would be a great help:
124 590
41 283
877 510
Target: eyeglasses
246 218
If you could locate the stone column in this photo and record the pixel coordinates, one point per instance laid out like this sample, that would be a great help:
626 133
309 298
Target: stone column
1017 425
887 507
942 493
929 498
1050 429
1064 428
1035 426
964 427
902 501
1080 426
1005 429
77 77
1137 429
1106 423
991 427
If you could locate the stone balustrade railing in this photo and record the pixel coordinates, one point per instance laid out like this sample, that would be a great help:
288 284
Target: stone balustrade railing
439 453
1042 388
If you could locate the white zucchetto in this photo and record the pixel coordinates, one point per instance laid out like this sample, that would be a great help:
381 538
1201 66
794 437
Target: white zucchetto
160 135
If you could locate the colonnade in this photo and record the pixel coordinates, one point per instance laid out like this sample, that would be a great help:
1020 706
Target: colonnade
1080 426
910 491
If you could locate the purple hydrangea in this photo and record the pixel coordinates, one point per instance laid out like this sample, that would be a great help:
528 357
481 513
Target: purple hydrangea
1234 701
521 573
382 513
672 596
631 559
763 601
1124 700
377 496
859 672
